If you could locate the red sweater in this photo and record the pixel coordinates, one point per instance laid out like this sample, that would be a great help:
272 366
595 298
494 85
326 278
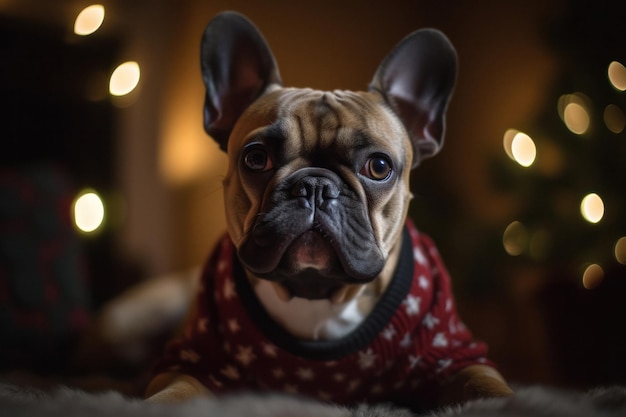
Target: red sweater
412 340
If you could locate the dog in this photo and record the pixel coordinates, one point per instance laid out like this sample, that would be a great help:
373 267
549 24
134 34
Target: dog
322 287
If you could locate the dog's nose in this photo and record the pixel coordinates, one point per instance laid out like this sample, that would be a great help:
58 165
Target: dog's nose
314 191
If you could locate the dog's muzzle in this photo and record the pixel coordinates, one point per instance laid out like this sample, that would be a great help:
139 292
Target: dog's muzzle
314 234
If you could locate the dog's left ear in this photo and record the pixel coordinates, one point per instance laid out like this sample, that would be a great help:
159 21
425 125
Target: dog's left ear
416 79
237 67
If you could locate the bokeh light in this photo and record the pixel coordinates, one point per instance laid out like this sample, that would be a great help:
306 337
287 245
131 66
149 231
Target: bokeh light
88 211
89 20
124 78
614 118
593 276
620 250
508 140
183 157
592 208
617 75
515 238
573 109
523 149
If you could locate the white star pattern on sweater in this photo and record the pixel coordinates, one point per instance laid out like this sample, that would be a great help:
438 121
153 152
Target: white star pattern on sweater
424 283
430 321
221 265
216 382
229 289
278 373
419 256
233 325
414 361
305 374
407 341
353 385
452 326
440 340
189 355
389 332
412 305
203 324
270 349
443 364
367 359
245 355
230 372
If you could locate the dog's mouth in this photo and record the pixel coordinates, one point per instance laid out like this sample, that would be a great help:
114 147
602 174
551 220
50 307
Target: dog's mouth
309 251
310 289
310 268
317 263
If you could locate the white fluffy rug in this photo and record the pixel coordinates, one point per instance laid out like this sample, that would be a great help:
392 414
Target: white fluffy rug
528 402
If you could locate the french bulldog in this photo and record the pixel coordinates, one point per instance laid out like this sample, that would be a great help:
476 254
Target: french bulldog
322 287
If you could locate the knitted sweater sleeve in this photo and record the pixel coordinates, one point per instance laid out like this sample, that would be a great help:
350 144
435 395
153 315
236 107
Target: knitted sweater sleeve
447 345
199 350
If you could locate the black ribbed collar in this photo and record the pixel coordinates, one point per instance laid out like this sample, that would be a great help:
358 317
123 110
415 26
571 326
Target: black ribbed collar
332 349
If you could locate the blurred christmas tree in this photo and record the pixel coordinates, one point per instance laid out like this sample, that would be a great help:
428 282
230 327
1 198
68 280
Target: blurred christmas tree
524 282
567 169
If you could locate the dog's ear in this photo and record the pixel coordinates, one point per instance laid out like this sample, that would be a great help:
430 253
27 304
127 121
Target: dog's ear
237 67
417 79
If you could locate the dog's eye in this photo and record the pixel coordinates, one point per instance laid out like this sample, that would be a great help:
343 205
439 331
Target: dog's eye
377 168
257 159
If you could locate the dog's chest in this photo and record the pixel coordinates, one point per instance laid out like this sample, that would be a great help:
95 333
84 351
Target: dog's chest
315 319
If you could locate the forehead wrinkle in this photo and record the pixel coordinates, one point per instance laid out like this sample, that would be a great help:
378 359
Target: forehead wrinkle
324 120
274 132
310 118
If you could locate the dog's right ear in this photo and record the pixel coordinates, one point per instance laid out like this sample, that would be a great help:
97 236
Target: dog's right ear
237 67
416 79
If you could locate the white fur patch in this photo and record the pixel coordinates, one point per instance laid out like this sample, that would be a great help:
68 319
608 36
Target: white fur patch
315 319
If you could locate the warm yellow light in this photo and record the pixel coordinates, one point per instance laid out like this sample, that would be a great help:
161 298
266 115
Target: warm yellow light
89 20
620 250
88 211
592 208
183 157
617 75
573 109
508 140
614 118
124 78
593 276
515 238
576 118
523 149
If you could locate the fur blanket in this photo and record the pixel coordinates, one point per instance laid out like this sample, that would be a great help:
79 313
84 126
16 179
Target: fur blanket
536 401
